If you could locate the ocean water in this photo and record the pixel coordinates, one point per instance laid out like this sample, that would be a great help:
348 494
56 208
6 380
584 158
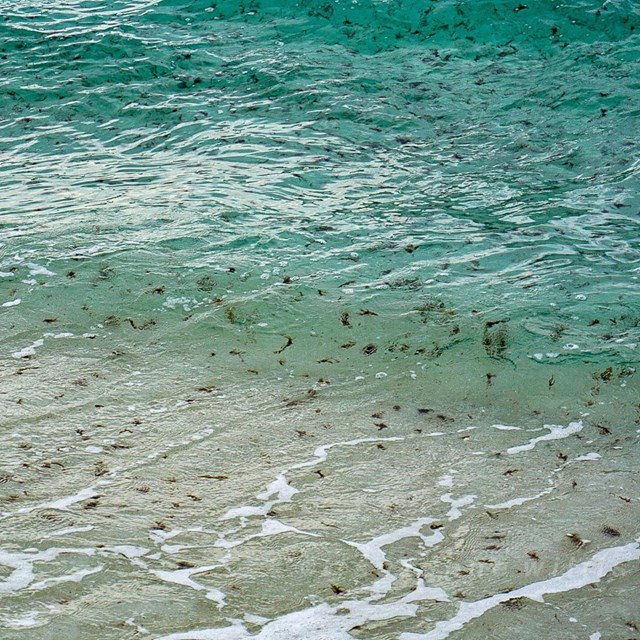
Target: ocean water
319 320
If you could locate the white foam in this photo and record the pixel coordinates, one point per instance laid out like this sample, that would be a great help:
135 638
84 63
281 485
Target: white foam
373 552
132 623
128 550
516 502
446 480
581 575
321 622
588 456
272 527
280 487
556 432
454 513
183 577
68 530
380 588
159 536
22 564
540 356
12 303
173 302
63 504
93 449
422 592
246 512
235 632
595 636
26 620
321 452
21 577
28 351
253 619
76 576
37 269
506 427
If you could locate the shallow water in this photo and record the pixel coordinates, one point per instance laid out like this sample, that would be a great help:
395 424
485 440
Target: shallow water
319 320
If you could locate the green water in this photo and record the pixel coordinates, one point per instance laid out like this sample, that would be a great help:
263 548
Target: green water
319 320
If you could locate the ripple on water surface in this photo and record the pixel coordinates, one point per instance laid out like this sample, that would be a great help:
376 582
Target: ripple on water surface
319 320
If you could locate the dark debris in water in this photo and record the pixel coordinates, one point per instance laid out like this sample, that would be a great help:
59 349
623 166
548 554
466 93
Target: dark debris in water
286 345
611 532
495 339
294 402
578 541
514 603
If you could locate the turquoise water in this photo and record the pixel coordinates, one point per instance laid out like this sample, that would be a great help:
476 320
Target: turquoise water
319 320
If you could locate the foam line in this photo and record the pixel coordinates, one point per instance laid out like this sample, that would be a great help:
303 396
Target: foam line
270 527
280 487
235 632
28 351
587 457
22 564
581 575
454 513
183 577
373 552
322 622
63 504
76 576
516 502
557 432
68 530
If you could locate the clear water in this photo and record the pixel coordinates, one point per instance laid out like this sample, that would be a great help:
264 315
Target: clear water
319 320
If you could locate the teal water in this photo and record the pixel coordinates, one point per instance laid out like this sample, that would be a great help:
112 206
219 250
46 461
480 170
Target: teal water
319 320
